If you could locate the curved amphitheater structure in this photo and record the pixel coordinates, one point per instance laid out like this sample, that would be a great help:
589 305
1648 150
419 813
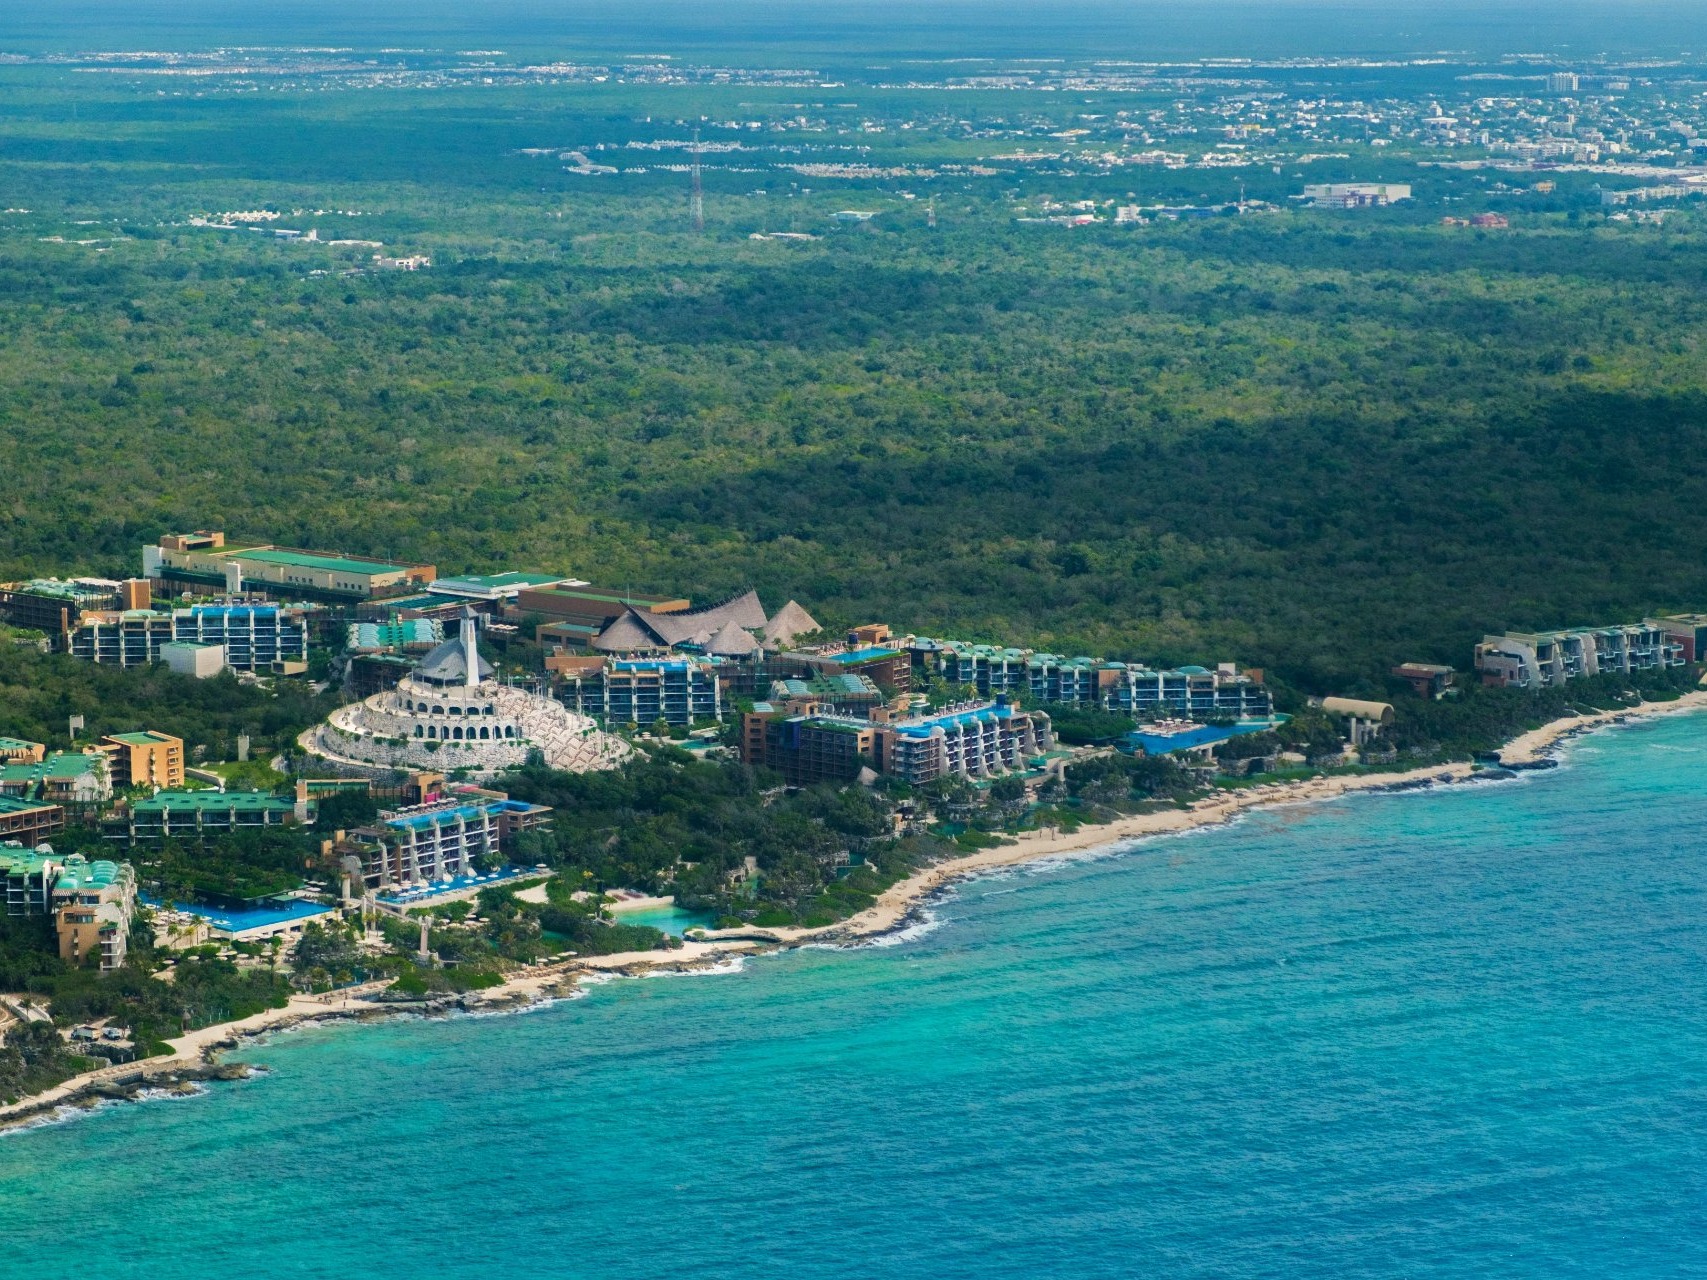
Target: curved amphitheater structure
449 713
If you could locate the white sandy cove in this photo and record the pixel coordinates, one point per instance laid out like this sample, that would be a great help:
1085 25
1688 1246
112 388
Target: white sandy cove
890 910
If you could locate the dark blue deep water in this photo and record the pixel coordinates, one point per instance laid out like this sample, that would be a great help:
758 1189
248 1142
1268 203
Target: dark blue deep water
1458 1034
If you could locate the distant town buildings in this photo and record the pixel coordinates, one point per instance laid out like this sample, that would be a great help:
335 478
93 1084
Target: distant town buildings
1356 195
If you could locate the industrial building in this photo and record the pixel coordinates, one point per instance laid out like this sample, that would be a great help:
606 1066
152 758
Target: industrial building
203 562
1543 659
253 637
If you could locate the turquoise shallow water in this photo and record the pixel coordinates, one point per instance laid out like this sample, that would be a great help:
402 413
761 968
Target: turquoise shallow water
1460 1033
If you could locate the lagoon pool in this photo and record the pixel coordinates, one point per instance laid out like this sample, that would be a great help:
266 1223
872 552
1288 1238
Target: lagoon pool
672 920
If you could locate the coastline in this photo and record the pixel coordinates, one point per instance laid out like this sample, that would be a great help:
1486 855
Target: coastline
195 1055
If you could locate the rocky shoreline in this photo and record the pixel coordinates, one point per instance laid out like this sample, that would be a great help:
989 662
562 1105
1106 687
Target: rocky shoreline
196 1058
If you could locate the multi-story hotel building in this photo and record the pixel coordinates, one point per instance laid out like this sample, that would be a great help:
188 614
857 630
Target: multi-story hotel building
1542 659
255 637
436 842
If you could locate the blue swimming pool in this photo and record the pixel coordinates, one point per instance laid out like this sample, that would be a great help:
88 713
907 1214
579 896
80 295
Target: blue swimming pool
456 885
236 921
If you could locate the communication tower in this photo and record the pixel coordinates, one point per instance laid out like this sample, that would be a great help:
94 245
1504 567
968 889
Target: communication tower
696 202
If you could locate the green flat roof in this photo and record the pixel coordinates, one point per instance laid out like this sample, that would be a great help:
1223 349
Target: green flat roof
254 800
605 597
23 862
79 874
310 560
11 804
12 744
496 580
61 764
144 738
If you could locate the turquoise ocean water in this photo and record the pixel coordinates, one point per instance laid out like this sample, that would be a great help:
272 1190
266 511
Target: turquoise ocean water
1460 1033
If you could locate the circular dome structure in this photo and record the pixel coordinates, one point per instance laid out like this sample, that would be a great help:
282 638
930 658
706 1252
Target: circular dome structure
450 713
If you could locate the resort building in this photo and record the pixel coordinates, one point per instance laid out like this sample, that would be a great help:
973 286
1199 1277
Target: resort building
53 606
20 751
1543 659
1689 630
733 628
29 876
852 693
94 904
451 713
437 842
641 691
808 745
251 637
70 778
973 740
498 589
398 635
576 614
144 759
203 562
1427 679
1131 688
885 665
188 814
1190 691
28 822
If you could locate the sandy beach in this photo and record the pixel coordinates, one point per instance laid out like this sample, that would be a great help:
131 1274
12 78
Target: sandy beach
197 1049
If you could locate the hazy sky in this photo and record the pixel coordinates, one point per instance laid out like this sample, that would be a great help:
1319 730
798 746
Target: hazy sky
875 28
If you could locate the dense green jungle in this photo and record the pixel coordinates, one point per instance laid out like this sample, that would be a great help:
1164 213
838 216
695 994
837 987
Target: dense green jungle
1315 442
